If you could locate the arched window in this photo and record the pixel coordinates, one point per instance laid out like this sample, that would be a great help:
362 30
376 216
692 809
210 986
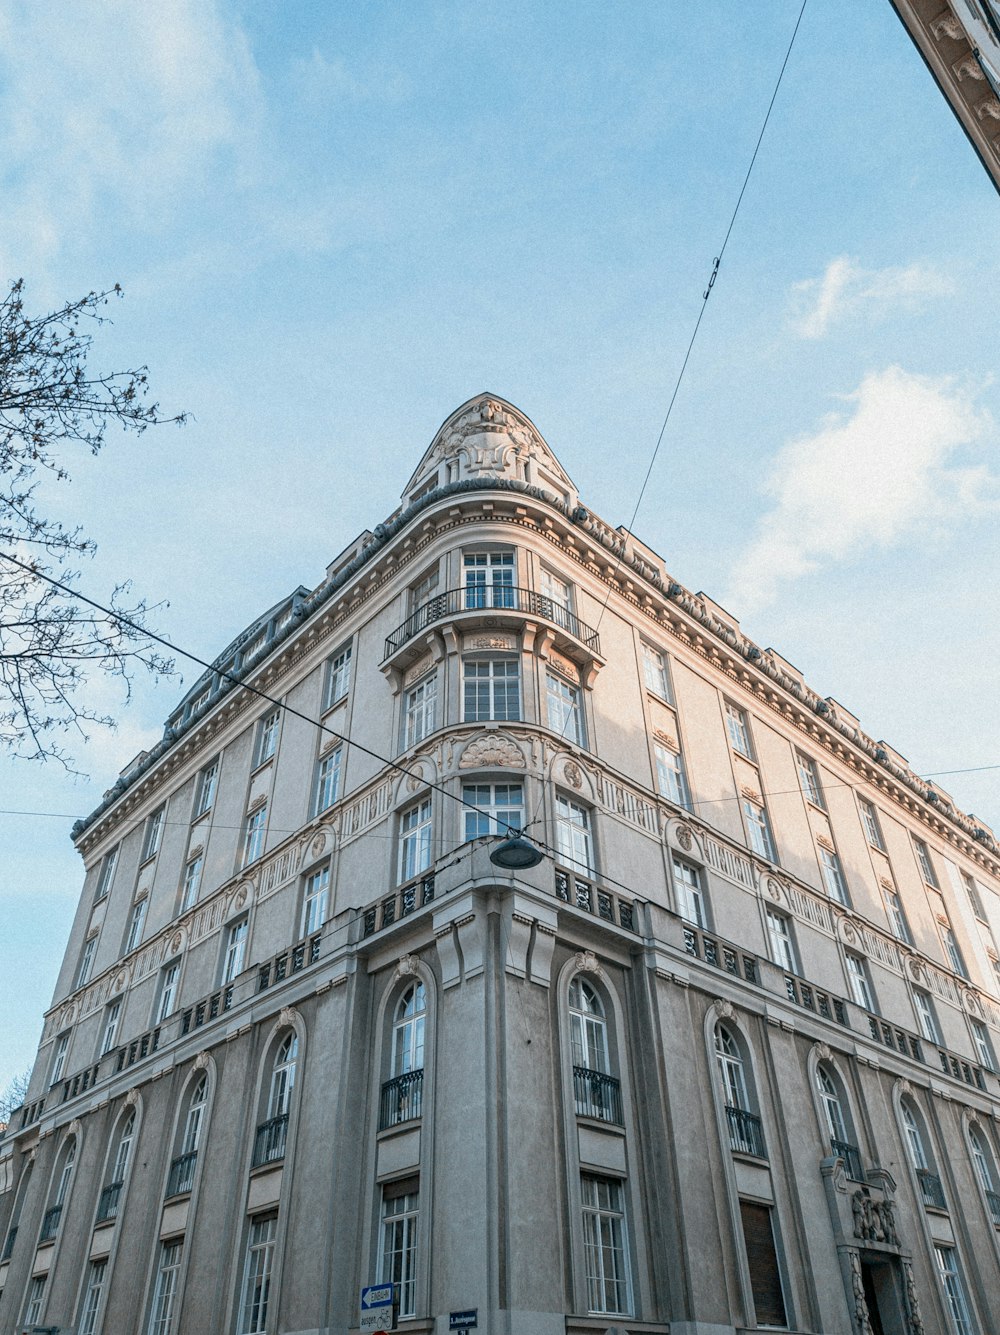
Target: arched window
986 1171
596 1091
110 1198
60 1192
837 1122
182 1168
272 1133
745 1132
403 1092
916 1146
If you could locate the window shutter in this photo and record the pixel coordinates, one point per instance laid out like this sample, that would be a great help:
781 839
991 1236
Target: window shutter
762 1259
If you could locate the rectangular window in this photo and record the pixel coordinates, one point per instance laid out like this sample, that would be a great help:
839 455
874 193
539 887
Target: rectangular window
153 835
168 991
983 1045
779 931
670 778
111 1018
415 840
327 781
833 875
558 593
107 875
267 737
338 677
136 923
257 1276
92 1297
499 808
954 1290
208 781
398 1242
897 919
564 709
489 579
424 589
924 862
758 829
654 671
809 779
975 899
952 951
59 1058
253 837
739 730
605 1245
861 988
87 960
869 818
491 689
762 1262
315 901
690 896
926 1017
236 948
419 711
573 841
161 1316
36 1293
192 882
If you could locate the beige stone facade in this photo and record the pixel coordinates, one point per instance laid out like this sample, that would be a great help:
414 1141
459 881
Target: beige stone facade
724 1059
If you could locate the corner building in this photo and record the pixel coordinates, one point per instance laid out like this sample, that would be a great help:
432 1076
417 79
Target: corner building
724 1059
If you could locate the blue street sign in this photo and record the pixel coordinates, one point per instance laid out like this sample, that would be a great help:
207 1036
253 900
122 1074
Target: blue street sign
376 1307
464 1320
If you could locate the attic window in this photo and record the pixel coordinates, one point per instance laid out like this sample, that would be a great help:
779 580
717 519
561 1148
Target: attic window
425 489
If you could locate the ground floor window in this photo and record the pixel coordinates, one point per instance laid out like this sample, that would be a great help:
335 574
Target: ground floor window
605 1243
161 1318
36 1294
257 1275
92 1297
762 1262
400 1201
954 1290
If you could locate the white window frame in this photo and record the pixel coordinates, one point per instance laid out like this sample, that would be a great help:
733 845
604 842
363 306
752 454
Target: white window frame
780 935
605 1246
952 951
923 856
809 782
975 898
423 590
315 900
557 590
732 1070
36 1296
927 1020
655 673
689 891
420 710
574 839
950 1278
408 1031
872 824
112 1019
124 1149
59 1057
283 1072
833 1107
981 1042
267 737
588 1027
92 1295
338 676
106 875
564 708
169 990
738 728
234 957
758 827
153 835
208 784
87 960
258 1267
489 579
897 917
671 781
399 1217
162 1309
327 780
416 828
861 986
192 881
254 835
499 809
493 695
833 875
136 923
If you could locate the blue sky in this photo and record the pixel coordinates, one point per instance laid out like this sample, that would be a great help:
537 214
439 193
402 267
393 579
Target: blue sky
335 223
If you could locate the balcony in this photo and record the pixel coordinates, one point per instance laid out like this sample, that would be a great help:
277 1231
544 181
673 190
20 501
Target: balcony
139 1047
288 962
746 1135
815 999
8 1246
107 1205
181 1177
597 1095
217 1003
851 1156
398 905
992 1200
582 893
721 954
901 1040
931 1189
402 1099
499 603
50 1224
269 1143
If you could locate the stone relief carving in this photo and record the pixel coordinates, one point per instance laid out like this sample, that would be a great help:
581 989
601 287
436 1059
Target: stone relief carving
685 838
912 1301
416 670
861 1315
587 962
573 775
75 1127
946 25
201 1061
494 749
132 1097
724 1009
406 966
968 69
776 888
504 642
874 1221
287 1015
823 1051
988 107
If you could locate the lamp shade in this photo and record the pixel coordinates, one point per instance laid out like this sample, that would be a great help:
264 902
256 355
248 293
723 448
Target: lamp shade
515 854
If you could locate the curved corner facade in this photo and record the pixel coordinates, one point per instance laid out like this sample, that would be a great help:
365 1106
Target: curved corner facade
725 1059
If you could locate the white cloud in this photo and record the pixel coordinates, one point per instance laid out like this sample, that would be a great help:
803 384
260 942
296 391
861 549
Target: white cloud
121 107
847 291
867 480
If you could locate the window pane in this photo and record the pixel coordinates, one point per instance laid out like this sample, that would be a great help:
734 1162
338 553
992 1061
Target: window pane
605 1246
257 1276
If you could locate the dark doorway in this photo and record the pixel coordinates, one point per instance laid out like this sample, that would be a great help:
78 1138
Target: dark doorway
881 1279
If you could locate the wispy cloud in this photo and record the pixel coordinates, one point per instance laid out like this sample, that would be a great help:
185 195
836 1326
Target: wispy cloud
847 291
867 480
114 106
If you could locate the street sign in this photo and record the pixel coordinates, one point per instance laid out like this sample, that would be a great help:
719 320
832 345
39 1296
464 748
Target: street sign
464 1320
376 1308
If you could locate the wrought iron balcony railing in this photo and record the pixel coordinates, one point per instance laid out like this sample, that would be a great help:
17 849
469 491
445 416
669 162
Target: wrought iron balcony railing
583 893
180 1179
269 1143
812 998
597 1095
402 1099
993 1201
50 1223
931 1189
721 954
107 1205
746 1135
491 598
289 961
851 1156
401 902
